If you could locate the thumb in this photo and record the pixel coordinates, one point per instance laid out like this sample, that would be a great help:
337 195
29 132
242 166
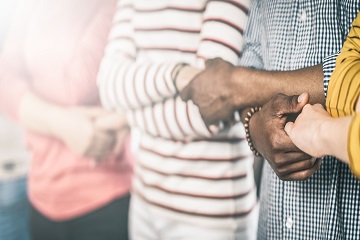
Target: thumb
94 112
293 104
186 93
110 122
289 127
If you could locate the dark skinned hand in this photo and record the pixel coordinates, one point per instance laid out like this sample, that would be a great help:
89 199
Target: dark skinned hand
212 91
271 141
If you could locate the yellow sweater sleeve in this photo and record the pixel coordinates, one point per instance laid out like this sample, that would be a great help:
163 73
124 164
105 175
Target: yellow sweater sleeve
354 145
344 90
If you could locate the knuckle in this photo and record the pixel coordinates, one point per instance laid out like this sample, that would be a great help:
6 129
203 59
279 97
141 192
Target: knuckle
282 171
278 161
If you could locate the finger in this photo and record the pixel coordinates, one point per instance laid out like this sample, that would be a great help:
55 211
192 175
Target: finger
94 112
285 159
110 122
305 174
298 166
215 117
120 140
186 93
282 143
290 104
288 128
101 145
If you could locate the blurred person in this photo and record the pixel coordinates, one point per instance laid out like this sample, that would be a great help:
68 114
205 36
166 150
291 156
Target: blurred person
81 167
14 162
190 182
310 132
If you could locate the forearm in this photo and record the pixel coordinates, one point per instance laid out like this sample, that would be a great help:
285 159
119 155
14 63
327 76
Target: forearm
40 116
127 85
334 141
263 85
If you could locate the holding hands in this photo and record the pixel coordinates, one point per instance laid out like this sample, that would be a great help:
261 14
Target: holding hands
87 131
271 141
93 132
215 91
218 95
319 134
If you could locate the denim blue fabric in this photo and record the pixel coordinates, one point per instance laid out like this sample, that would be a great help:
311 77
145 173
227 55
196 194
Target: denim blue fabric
14 208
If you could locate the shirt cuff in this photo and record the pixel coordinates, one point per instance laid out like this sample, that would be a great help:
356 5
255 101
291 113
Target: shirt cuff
329 64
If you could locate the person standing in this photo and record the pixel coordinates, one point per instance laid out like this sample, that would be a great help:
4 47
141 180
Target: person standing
190 182
290 48
14 162
79 180
310 130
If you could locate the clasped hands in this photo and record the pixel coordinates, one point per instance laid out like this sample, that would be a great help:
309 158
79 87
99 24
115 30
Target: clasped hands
93 132
218 94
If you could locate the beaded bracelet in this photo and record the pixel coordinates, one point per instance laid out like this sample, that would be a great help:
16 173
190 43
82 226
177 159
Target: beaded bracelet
178 69
249 114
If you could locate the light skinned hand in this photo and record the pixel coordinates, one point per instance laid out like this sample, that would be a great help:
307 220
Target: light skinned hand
114 123
79 133
307 130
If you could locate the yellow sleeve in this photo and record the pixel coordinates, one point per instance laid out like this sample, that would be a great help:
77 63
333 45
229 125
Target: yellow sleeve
354 145
343 90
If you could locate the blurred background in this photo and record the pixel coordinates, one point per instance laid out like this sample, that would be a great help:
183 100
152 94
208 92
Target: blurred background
7 8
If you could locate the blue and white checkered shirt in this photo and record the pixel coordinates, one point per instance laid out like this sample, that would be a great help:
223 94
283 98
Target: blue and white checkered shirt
289 35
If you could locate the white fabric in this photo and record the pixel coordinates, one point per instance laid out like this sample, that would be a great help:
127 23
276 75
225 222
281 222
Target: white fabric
148 223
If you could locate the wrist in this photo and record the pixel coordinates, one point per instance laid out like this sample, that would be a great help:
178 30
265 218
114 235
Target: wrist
334 136
245 89
185 75
252 113
59 119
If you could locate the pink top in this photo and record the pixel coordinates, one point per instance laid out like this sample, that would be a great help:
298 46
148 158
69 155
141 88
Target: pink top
54 48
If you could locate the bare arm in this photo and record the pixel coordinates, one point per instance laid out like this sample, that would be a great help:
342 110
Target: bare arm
263 85
81 129
223 88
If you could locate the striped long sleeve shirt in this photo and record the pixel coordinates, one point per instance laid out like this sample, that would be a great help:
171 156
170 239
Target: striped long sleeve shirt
183 170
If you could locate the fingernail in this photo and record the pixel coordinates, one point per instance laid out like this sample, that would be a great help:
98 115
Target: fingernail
301 97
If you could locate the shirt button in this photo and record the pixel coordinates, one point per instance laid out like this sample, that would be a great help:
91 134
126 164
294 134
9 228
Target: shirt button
289 222
303 16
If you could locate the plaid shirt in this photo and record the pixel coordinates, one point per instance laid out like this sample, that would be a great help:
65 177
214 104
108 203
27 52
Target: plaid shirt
288 35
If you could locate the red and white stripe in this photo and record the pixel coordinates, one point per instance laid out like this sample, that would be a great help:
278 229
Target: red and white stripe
182 168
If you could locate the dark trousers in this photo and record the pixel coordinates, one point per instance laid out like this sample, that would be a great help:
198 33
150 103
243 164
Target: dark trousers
107 223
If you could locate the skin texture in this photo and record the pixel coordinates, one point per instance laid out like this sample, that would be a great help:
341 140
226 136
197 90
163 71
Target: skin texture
88 131
287 160
221 89
310 132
